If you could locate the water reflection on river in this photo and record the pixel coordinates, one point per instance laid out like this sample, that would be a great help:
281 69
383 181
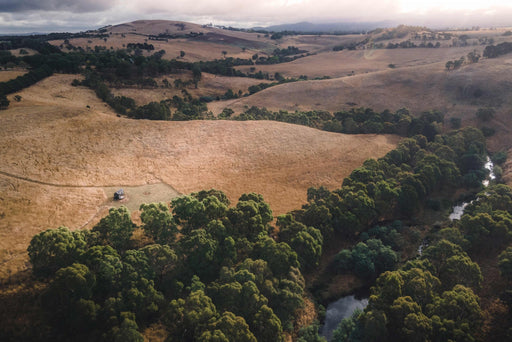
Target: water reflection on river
489 166
340 309
458 210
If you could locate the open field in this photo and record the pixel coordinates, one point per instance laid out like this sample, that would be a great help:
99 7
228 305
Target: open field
210 85
6 75
61 160
346 62
419 88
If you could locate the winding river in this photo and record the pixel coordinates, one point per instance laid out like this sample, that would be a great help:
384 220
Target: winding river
345 306
458 210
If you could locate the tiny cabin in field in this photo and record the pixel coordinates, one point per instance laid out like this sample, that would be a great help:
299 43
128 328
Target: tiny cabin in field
119 195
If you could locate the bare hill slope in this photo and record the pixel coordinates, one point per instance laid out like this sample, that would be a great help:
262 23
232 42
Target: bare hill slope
418 88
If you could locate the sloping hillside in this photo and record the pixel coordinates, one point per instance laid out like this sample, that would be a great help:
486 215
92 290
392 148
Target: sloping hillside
59 157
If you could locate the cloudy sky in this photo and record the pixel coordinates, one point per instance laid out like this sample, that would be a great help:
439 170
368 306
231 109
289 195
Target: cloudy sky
18 16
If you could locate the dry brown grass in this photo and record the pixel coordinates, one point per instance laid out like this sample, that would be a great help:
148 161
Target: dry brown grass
16 52
28 208
344 63
418 88
207 47
6 75
52 138
420 84
194 51
210 85
319 43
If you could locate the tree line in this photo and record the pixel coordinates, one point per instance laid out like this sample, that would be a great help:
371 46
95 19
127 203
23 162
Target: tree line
493 51
355 121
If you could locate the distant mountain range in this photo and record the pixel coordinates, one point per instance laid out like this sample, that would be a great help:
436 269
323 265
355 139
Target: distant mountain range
328 28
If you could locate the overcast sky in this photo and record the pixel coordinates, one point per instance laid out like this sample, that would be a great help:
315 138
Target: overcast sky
18 16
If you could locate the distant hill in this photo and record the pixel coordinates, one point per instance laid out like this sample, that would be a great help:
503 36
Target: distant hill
328 28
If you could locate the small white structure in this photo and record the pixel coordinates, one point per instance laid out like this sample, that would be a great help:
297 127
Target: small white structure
119 195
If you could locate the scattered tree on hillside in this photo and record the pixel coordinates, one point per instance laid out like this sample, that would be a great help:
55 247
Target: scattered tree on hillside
473 57
196 74
485 114
4 102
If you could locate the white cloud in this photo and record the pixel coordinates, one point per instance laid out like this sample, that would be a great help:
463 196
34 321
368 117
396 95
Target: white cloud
73 15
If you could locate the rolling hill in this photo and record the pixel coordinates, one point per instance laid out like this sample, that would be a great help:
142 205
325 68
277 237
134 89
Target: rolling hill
61 160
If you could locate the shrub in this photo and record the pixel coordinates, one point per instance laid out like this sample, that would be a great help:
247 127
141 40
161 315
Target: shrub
485 114
455 123
488 131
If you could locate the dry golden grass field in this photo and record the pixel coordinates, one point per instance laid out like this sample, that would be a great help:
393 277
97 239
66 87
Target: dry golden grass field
423 86
420 87
210 85
209 46
347 63
6 75
61 161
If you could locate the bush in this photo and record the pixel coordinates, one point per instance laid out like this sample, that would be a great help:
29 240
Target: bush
485 114
455 123
366 260
4 102
499 157
488 131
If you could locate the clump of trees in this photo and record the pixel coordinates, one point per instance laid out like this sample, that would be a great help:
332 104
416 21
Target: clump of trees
282 56
396 185
26 80
400 309
493 51
4 102
435 297
141 46
485 114
472 57
208 270
407 44
367 259
224 278
487 223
